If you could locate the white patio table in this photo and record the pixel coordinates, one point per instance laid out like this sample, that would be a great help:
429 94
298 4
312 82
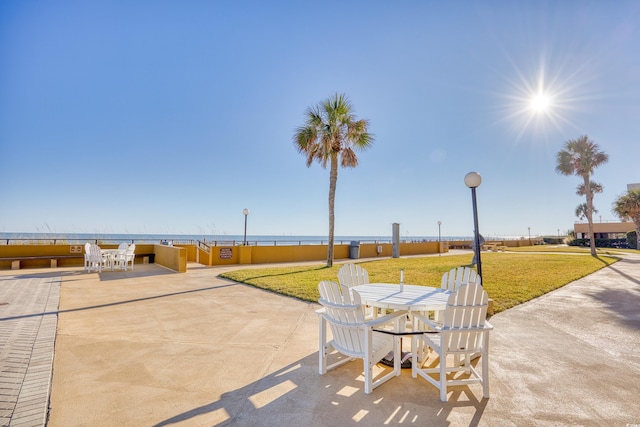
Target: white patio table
408 297
411 298
109 256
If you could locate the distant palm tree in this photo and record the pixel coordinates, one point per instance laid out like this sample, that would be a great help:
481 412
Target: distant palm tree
628 206
330 134
581 157
581 211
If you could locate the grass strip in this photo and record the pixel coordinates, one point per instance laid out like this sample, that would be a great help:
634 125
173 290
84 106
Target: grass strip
509 278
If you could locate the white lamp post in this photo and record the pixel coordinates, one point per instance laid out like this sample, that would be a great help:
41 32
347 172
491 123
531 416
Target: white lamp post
245 211
473 181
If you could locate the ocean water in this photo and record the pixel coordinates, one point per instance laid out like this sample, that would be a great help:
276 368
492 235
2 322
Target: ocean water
79 238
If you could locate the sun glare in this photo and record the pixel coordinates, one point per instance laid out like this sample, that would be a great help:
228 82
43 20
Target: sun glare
540 103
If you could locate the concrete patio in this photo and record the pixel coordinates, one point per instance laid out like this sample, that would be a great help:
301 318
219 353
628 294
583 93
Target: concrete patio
152 347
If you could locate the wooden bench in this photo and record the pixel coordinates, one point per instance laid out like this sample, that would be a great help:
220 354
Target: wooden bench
15 261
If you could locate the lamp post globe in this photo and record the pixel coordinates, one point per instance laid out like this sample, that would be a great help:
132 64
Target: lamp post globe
473 181
245 211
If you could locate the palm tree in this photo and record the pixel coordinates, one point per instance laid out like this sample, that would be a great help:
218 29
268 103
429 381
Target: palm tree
581 211
331 134
581 157
628 206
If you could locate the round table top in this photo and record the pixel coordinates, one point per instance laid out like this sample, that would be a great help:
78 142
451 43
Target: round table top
412 297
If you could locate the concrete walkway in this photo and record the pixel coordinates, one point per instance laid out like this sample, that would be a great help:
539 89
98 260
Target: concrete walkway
28 318
157 348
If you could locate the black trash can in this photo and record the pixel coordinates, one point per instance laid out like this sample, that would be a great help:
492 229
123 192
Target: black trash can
354 249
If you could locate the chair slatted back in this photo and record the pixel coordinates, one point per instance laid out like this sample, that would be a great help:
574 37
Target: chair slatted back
345 314
459 276
352 275
464 318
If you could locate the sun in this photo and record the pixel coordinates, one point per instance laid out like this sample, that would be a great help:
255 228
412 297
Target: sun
540 103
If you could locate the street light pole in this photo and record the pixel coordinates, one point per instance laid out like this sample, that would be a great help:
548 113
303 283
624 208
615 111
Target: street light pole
245 211
473 180
439 244
529 235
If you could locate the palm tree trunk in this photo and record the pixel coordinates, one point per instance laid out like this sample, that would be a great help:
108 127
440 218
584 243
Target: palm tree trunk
333 179
589 194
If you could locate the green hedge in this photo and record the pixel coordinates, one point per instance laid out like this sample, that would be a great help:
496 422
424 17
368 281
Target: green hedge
602 243
632 239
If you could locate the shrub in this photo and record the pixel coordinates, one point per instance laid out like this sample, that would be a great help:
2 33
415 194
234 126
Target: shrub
602 243
632 239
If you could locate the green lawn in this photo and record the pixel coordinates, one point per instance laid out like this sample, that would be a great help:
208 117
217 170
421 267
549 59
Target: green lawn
509 278
570 249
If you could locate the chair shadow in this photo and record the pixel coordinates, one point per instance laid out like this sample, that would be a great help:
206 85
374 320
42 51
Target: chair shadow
298 393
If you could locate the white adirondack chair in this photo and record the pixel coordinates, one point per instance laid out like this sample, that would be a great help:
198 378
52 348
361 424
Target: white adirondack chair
353 336
353 275
464 332
95 260
459 276
87 255
130 256
120 258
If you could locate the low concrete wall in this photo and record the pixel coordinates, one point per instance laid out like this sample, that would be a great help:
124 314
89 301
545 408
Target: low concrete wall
231 255
73 255
172 257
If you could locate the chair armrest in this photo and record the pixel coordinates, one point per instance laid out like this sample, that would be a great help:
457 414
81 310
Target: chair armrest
430 323
385 319
488 325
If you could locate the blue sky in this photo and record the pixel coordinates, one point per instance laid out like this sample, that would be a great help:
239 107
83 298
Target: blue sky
171 117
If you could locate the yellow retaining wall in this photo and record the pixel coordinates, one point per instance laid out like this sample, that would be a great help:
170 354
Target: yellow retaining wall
172 257
232 255
176 257
192 251
75 254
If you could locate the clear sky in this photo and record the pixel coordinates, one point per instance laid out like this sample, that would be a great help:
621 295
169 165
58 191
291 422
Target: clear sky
174 116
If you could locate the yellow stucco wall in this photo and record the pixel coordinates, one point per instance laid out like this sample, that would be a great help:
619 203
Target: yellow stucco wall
231 255
172 257
74 255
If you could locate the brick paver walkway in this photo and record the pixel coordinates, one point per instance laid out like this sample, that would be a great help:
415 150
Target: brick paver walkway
28 320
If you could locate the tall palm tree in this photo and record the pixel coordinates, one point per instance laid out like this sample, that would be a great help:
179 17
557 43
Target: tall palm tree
628 206
581 157
331 134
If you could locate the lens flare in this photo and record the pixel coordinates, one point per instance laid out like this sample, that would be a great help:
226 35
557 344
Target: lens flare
540 103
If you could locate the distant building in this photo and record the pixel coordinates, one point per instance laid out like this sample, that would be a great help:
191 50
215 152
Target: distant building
606 229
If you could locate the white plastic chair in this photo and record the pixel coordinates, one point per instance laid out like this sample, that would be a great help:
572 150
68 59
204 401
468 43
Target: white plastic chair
95 260
353 336
464 332
459 276
87 255
353 275
130 256
120 257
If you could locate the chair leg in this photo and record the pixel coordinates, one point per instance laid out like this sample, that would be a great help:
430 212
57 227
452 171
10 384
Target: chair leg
322 347
485 365
443 377
368 365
